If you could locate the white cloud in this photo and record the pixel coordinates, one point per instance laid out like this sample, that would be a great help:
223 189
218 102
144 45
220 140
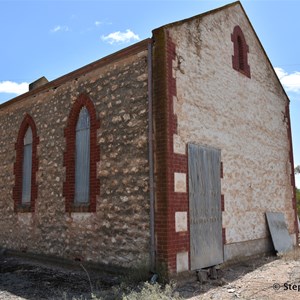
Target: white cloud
59 28
291 82
99 23
13 87
119 37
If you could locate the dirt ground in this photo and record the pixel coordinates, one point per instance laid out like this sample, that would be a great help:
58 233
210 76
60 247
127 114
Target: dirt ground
261 278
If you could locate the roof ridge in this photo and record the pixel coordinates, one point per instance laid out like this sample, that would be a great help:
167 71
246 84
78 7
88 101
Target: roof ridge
201 15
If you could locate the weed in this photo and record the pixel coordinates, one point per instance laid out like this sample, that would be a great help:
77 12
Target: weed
155 291
89 278
139 274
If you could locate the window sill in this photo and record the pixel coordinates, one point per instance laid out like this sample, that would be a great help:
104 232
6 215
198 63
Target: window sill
81 208
243 72
24 209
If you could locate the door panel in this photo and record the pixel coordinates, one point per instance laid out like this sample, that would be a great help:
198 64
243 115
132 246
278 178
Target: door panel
205 206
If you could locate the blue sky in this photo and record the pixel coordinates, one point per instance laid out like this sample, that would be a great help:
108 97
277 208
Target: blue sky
52 38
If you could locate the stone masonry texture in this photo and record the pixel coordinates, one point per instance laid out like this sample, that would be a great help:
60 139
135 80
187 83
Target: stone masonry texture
202 95
245 117
117 233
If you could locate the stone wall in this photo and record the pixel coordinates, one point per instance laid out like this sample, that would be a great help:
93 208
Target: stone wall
202 97
118 232
217 106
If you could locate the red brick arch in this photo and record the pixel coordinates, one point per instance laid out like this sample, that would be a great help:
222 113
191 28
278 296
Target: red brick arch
69 157
240 50
18 166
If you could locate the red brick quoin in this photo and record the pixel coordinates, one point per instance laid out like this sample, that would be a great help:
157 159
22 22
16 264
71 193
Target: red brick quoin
69 157
180 241
18 167
169 242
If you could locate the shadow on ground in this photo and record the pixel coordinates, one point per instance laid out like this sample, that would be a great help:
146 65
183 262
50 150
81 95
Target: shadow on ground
33 280
29 279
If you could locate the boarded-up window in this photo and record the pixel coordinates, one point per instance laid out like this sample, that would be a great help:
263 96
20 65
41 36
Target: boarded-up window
241 55
240 51
82 154
82 159
27 167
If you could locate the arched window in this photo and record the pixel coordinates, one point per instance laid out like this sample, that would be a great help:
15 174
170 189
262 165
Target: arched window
241 53
81 156
240 50
25 167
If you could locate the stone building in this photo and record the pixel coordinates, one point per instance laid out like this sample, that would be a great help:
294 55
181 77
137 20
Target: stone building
167 153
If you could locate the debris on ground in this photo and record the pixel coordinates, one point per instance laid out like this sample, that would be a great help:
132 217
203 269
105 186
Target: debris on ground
271 277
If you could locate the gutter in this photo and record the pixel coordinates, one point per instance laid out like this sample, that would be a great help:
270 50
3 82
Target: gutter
151 162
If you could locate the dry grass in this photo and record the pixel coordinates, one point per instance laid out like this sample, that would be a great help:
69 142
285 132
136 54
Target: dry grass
144 291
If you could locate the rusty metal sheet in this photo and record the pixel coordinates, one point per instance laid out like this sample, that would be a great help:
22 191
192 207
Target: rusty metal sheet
205 207
280 236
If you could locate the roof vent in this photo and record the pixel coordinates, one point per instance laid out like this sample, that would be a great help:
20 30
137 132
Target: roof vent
41 81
